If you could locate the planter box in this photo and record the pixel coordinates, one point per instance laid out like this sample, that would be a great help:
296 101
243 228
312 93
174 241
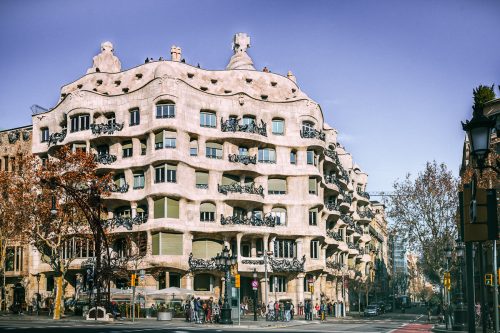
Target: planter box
164 315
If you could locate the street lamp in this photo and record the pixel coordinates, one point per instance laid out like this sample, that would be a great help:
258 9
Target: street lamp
447 254
479 132
254 287
460 310
224 261
37 276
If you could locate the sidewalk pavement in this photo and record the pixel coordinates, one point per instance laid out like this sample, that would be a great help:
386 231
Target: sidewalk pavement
441 328
245 322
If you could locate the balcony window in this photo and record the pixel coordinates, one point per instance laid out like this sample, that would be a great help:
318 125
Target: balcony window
144 147
165 110
80 147
167 244
135 117
208 119
311 157
248 120
159 140
193 148
45 134
293 157
313 216
285 248
307 126
206 248
276 186
119 180
171 173
14 259
111 119
267 155
313 187
278 284
314 249
201 179
166 207
203 282
279 215
160 174
207 212
127 149
80 122
213 150
139 180
170 142
228 179
278 126
243 151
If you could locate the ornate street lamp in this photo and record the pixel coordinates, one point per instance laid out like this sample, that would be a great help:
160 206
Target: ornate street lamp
254 287
479 132
223 262
37 276
460 309
447 254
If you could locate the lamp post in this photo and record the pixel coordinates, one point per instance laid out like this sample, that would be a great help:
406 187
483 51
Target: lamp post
460 310
224 261
254 287
37 276
265 254
479 130
447 254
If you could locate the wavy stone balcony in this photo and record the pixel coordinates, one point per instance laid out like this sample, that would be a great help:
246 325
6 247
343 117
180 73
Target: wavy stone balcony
287 265
313 134
267 221
334 235
329 180
245 159
231 125
197 265
126 222
119 189
332 206
105 158
111 128
346 202
365 215
334 265
56 137
238 188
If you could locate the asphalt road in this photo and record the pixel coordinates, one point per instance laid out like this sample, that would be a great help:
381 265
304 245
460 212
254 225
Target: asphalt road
388 323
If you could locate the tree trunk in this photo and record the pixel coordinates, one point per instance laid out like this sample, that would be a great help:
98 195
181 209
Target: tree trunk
59 292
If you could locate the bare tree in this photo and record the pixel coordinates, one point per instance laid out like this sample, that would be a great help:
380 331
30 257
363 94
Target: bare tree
424 214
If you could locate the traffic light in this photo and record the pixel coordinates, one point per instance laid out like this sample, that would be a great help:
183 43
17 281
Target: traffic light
447 280
133 278
237 281
488 279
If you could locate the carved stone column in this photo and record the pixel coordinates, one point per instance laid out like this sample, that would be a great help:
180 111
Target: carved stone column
263 284
253 250
299 289
149 245
238 244
189 281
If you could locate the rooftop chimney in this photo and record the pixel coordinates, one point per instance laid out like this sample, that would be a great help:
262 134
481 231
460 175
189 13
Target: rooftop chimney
175 52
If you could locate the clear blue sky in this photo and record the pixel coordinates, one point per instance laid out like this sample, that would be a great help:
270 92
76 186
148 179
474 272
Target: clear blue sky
394 77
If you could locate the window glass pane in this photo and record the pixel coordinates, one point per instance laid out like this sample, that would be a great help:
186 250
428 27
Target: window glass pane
159 208
171 244
172 208
278 126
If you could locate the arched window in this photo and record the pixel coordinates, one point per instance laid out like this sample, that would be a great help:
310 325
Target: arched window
280 215
80 122
203 282
165 109
193 147
207 212
307 126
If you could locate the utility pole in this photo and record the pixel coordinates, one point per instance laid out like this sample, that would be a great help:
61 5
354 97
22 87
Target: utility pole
495 284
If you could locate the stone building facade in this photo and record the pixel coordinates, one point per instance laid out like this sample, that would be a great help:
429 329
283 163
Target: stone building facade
13 144
210 158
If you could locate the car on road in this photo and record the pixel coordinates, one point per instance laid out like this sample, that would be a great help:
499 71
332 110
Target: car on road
381 306
371 310
388 307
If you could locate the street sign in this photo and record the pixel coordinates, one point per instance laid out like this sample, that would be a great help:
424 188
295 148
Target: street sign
255 284
237 281
447 280
142 274
132 280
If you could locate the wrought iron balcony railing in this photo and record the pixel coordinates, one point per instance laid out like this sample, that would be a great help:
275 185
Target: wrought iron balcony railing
347 219
335 235
231 125
106 128
332 206
196 264
287 265
333 265
348 199
351 246
331 153
202 186
366 213
56 137
267 221
332 180
120 188
238 188
245 159
252 261
105 158
127 222
363 194
312 134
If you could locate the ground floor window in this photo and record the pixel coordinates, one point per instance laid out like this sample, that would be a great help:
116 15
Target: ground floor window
278 284
203 282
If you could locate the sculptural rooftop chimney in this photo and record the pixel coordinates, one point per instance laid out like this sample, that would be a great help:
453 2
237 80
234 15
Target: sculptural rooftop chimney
240 59
106 61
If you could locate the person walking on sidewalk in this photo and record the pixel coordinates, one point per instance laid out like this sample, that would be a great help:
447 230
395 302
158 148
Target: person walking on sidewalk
287 311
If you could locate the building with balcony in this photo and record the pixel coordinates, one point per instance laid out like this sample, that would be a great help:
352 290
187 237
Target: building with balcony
13 144
210 158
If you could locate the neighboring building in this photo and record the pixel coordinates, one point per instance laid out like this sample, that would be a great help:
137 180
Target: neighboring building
13 144
206 159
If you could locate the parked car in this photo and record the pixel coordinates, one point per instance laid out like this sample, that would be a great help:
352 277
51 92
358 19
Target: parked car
371 310
381 305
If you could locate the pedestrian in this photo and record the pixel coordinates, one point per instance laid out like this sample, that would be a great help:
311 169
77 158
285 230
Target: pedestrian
287 311
307 309
276 310
215 312
316 311
187 310
292 311
301 309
